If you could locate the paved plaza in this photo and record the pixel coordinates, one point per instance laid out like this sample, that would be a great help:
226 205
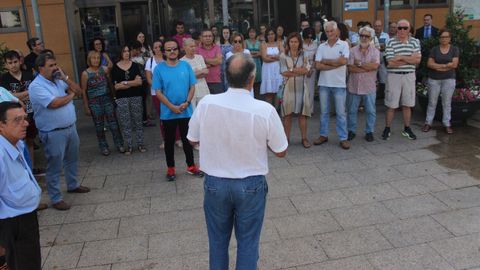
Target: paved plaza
396 205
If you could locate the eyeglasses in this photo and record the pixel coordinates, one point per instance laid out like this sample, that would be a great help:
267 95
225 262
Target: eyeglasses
172 49
97 43
365 36
19 119
237 41
402 28
444 36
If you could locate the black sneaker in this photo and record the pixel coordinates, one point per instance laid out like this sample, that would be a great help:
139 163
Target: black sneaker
351 135
386 134
369 137
407 132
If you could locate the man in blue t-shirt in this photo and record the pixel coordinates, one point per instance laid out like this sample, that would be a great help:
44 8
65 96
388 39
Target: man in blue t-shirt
174 83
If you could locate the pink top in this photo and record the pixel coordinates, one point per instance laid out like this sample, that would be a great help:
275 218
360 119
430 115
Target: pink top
213 71
363 83
180 39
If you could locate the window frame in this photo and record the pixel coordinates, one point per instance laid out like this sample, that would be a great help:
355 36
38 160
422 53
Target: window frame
423 5
404 6
21 28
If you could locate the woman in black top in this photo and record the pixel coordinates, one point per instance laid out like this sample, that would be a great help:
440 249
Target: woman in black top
127 83
442 62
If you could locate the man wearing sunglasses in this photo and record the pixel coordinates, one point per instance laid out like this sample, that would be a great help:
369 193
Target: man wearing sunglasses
402 53
174 84
19 193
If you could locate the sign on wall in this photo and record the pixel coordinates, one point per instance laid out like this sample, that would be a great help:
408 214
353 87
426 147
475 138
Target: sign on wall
471 8
356 5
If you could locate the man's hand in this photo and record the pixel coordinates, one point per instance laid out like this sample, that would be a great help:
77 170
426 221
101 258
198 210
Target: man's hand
176 109
183 106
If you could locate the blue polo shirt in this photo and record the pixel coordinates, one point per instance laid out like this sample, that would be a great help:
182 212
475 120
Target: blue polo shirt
19 191
174 83
42 92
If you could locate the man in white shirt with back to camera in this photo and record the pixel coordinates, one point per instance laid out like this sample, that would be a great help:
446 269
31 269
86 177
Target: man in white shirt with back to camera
235 131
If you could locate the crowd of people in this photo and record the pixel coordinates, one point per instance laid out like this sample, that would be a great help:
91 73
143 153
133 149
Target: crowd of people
205 88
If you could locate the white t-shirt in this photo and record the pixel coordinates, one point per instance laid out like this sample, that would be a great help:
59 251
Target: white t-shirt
234 131
198 63
150 66
335 77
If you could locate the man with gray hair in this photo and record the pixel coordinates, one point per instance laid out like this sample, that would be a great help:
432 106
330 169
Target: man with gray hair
235 132
402 53
331 59
362 67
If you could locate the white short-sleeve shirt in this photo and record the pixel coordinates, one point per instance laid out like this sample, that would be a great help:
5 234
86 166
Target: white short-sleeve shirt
150 66
335 77
235 131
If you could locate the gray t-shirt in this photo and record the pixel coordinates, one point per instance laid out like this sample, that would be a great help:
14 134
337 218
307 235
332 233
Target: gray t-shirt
441 58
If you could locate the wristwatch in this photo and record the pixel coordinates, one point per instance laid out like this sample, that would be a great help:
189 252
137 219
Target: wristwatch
125 82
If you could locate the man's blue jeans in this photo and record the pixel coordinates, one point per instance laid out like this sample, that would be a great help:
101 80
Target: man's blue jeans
339 95
61 148
240 203
353 101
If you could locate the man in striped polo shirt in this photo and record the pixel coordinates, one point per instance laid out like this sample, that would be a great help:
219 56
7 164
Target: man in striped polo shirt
402 53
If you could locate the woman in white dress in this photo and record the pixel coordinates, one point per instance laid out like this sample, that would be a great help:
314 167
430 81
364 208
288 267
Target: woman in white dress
310 46
271 77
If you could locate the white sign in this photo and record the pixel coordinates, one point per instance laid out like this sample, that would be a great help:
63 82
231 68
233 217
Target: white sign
356 5
471 8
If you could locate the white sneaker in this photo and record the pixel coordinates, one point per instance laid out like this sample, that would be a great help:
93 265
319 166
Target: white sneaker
162 146
179 143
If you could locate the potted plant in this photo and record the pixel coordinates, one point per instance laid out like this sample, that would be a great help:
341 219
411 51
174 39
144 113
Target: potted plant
466 97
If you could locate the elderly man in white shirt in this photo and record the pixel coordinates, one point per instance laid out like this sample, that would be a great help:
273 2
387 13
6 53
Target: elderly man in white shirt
235 132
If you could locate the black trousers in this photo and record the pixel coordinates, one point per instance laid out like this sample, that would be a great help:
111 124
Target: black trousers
21 239
170 127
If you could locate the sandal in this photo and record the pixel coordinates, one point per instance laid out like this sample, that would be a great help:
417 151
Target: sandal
426 128
142 149
306 143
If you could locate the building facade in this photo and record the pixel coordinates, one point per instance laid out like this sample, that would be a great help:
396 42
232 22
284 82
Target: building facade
69 25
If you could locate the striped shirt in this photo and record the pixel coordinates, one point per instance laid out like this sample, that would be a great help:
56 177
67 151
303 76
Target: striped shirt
396 47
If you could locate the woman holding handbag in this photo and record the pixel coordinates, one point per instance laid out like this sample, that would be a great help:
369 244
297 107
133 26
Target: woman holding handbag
98 103
294 66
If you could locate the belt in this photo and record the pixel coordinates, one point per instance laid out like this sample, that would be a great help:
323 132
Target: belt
62 128
405 72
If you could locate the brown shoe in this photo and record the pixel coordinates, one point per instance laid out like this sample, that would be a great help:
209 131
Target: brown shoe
449 130
79 189
40 207
320 140
426 128
306 143
345 144
61 205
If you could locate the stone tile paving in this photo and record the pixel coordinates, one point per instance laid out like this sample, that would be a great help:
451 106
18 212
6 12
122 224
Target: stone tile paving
397 205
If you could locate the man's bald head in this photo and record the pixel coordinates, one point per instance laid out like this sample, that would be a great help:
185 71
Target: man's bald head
240 70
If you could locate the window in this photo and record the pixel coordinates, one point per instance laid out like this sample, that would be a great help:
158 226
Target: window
396 3
432 2
11 20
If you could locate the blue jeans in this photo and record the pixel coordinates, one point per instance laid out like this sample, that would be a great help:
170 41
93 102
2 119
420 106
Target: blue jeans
339 95
61 149
353 101
234 202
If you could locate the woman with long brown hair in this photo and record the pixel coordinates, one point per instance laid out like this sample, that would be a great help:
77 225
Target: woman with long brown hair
294 66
